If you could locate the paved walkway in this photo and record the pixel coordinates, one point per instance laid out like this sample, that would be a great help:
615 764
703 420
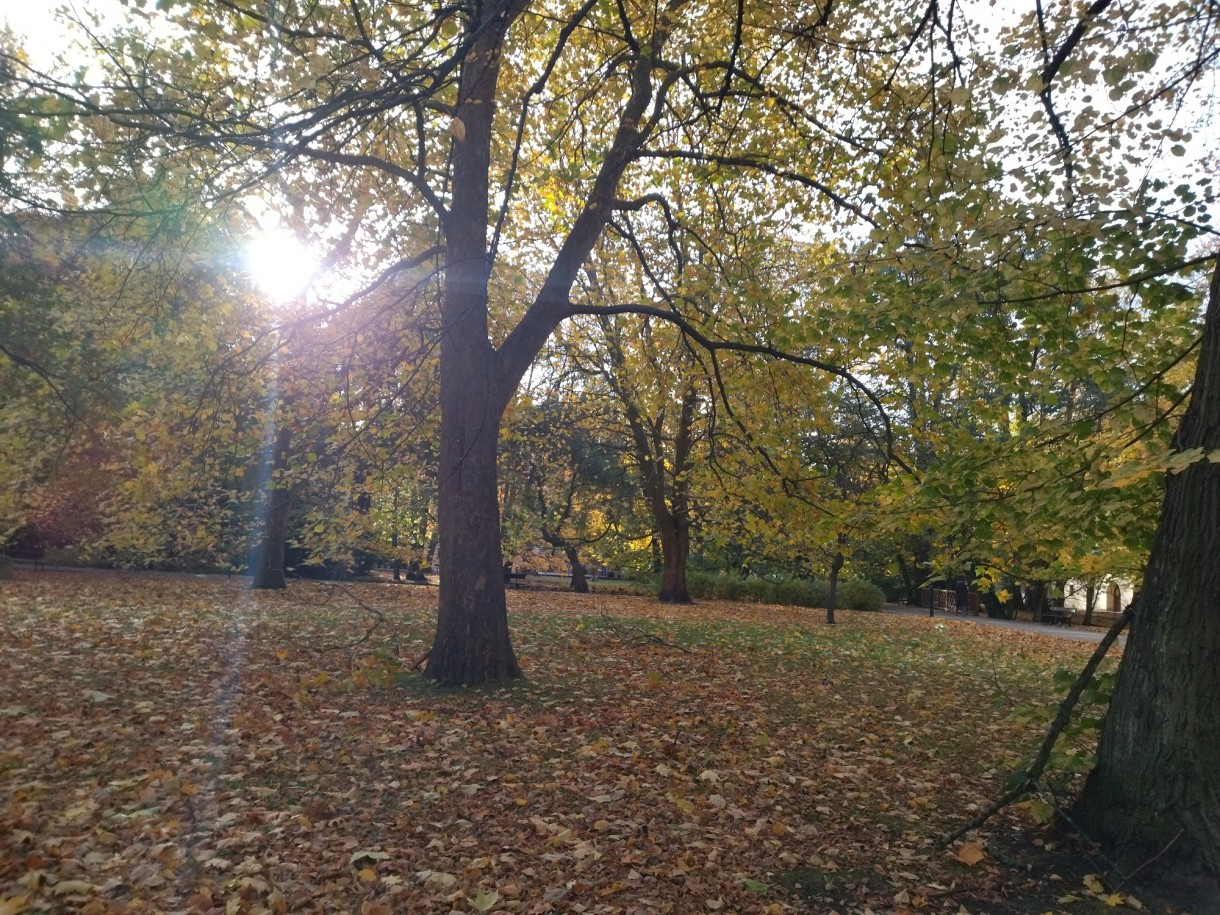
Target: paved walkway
1075 633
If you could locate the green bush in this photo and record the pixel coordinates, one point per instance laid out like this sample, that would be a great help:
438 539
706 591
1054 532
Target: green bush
861 594
852 595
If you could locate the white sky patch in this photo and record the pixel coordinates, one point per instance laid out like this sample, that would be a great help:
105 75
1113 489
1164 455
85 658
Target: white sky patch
44 31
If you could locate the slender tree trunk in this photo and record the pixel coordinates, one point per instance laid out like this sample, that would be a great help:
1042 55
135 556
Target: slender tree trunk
1090 602
665 483
1154 796
268 565
909 585
832 586
673 514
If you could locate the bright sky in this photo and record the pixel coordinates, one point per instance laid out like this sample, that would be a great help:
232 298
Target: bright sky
45 33
280 264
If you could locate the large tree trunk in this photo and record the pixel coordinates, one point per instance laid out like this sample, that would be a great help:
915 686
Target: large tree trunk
580 584
269 558
472 643
675 546
1154 796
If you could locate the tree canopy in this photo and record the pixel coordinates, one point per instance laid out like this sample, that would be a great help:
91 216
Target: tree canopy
972 230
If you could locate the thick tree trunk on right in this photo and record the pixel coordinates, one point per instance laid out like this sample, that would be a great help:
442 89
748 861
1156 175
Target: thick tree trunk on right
1154 796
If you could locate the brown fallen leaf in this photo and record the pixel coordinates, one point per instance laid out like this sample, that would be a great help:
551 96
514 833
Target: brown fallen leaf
971 853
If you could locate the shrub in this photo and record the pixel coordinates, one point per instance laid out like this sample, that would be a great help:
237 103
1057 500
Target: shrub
852 594
861 594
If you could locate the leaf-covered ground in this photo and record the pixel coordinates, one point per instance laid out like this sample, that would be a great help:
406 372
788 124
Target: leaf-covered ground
178 744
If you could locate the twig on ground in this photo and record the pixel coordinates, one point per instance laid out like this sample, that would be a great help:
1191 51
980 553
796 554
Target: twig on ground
1127 878
1064 715
640 634
379 617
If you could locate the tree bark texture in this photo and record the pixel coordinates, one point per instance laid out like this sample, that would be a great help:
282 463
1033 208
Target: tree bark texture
675 546
1154 796
472 642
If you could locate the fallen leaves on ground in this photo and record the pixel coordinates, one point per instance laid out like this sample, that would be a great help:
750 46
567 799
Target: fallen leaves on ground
183 744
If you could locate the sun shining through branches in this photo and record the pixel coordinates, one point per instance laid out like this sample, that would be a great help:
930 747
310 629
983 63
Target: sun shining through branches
280 265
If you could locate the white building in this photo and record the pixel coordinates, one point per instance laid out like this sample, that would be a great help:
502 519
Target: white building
1113 596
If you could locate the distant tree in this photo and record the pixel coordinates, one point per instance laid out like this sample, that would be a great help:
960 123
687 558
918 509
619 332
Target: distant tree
572 485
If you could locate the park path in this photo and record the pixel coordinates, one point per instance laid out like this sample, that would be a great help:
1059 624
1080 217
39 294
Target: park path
1074 633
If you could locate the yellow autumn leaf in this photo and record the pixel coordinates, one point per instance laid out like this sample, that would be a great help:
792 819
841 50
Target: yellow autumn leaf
484 901
971 853
72 888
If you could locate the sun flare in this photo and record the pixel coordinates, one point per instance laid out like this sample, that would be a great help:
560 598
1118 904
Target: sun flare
280 265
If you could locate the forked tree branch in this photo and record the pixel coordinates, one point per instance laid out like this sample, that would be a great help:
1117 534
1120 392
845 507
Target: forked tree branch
760 349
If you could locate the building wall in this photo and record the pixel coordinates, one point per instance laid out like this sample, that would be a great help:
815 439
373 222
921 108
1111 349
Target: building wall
1111 592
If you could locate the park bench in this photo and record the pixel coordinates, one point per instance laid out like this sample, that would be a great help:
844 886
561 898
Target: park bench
512 578
1058 616
26 558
